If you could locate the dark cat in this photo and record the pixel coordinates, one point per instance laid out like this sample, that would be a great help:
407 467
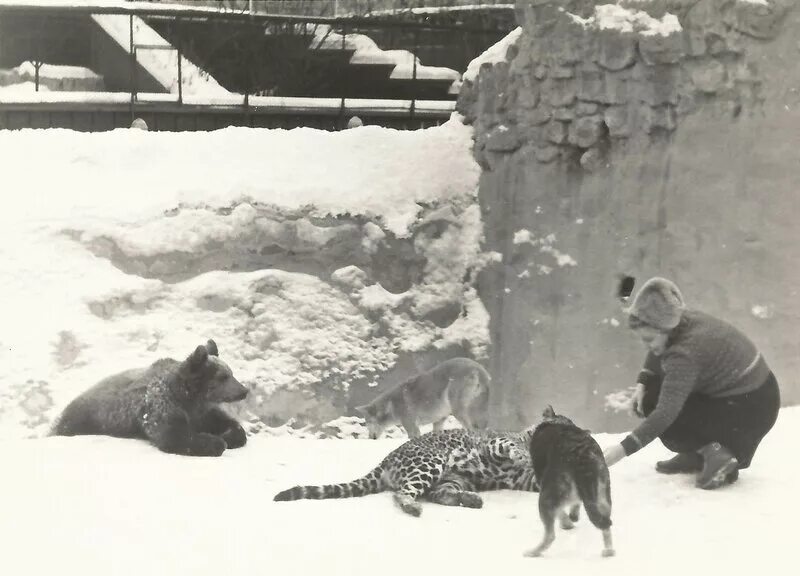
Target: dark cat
570 470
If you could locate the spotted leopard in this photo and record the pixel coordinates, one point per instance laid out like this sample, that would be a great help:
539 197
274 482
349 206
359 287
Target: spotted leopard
446 467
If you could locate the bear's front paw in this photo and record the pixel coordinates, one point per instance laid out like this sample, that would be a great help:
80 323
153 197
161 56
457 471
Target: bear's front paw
208 445
235 436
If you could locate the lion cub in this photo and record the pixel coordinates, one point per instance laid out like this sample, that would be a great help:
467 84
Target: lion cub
459 386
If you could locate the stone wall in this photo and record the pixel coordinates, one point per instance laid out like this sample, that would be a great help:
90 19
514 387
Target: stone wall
642 138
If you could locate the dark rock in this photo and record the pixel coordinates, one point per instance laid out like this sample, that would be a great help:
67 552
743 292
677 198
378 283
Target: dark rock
546 153
539 116
761 21
658 49
617 120
659 84
604 87
708 76
503 139
592 160
559 92
661 117
616 51
556 132
586 108
586 131
564 114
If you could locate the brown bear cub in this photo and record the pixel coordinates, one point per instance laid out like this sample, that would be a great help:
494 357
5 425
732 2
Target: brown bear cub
570 469
173 404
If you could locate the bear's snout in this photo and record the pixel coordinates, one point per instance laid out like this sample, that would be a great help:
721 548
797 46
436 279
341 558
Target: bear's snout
236 391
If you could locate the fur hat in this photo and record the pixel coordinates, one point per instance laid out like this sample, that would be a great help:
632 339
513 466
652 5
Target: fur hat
658 303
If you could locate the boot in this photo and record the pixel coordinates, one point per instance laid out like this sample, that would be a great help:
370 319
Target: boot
681 463
719 464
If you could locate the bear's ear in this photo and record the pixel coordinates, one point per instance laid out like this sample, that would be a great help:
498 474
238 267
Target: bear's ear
211 346
549 412
198 357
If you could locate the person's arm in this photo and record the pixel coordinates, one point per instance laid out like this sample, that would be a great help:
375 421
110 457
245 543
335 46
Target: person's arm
651 375
680 375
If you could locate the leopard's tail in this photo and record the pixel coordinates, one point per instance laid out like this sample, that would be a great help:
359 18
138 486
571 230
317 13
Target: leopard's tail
372 483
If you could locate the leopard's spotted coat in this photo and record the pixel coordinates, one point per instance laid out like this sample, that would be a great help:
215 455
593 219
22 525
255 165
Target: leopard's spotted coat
447 467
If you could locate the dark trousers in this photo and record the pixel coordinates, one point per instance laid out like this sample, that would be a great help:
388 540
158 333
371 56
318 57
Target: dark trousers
737 422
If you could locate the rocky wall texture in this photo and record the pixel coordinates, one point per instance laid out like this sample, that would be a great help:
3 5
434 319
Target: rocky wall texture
642 138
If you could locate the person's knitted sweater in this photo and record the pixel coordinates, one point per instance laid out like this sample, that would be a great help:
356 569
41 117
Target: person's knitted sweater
703 355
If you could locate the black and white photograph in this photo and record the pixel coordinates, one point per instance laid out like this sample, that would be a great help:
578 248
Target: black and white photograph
393 287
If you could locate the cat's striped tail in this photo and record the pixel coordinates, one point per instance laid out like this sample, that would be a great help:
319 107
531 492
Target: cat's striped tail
372 483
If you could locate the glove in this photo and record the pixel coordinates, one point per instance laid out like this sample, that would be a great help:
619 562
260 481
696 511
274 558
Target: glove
637 401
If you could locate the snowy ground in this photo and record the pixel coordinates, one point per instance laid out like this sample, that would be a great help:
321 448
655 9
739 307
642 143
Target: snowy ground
97 505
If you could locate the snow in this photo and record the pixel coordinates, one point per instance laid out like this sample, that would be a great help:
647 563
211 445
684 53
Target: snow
108 506
76 308
161 63
122 4
55 71
366 51
22 79
289 104
492 55
546 245
440 9
615 17
24 89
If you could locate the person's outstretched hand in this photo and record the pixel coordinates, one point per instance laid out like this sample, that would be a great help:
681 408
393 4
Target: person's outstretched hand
613 454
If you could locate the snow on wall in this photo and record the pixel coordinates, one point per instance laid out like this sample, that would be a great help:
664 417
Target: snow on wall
615 17
492 55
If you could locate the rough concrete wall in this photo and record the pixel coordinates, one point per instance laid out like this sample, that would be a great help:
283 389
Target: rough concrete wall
609 152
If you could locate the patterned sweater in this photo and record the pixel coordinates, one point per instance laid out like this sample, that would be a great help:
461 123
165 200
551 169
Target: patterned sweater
703 355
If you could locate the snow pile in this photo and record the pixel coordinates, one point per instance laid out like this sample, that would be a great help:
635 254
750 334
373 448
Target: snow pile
615 17
128 238
494 54
99 505
22 79
22 88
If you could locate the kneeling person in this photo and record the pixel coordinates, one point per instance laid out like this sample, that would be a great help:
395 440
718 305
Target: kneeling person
705 389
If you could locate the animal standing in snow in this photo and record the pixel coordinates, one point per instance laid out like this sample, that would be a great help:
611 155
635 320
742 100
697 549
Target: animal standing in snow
571 470
173 404
458 386
446 467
